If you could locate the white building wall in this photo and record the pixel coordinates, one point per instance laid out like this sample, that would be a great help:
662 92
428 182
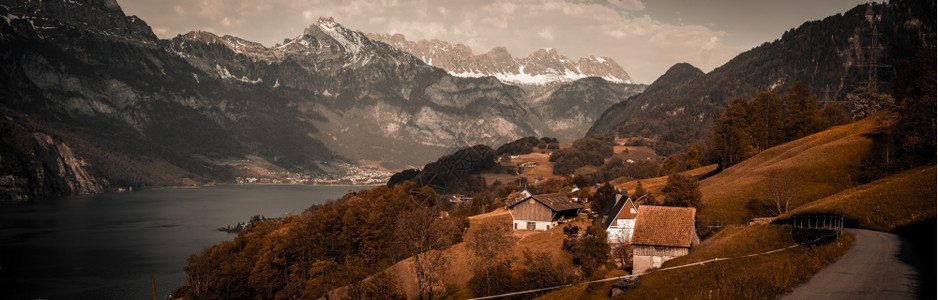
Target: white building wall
538 225
621 231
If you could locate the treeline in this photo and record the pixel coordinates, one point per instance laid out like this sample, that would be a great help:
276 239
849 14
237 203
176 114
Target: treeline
456 173
329 246
746 128
591 150
526 145
909 139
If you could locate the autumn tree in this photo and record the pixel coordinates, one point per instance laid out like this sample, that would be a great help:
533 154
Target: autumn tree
488 245
424 232
730 139
669 165
542 270
692 159
682 191
590 251
767 129
802 116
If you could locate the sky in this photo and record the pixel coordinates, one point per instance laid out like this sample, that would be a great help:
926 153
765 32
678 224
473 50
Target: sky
644 37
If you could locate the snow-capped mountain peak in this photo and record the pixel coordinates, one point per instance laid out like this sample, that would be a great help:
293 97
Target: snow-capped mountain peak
541 67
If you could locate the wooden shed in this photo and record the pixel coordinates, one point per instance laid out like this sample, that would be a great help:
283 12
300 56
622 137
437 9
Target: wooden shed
542 212
662 233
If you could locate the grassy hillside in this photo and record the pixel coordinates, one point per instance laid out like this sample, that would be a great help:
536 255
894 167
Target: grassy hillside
654 185
459 270
756 277
885 204
817 166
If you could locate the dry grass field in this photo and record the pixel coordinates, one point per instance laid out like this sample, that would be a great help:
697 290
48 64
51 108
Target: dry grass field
884 204
817 166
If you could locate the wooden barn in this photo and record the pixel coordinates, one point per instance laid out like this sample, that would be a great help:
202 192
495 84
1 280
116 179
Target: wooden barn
662 233
618 218
542 212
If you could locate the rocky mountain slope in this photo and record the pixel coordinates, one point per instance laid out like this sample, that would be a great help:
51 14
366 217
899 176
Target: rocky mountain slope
204 107
544 66
833 55
140 111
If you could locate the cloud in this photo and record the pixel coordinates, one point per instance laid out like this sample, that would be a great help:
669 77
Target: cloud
547 34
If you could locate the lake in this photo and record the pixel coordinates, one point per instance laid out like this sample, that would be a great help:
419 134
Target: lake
108 246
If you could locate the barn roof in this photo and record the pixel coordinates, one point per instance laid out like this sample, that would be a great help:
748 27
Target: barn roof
665 226
556 201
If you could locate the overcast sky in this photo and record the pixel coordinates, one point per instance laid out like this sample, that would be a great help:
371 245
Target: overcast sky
644 37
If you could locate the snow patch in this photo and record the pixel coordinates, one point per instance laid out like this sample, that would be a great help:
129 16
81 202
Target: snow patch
225 74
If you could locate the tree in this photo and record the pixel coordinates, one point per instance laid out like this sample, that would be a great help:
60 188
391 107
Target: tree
767 123
579 181
488 245
730 139
604 193
867 101
669 165
835 115
541 271
915 92
639 190
682 191
781 191
424 233
380 286
622 253
692 161
590 251
801 110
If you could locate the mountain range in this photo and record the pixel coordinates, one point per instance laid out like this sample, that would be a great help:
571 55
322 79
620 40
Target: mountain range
834 56
544 66
92 100
139 111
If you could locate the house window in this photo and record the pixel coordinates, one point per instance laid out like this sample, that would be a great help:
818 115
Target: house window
532 226
516 225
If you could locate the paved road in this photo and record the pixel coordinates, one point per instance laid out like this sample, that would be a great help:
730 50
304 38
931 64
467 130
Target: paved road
869 270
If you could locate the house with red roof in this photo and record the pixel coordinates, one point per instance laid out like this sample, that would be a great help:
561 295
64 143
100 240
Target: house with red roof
662 233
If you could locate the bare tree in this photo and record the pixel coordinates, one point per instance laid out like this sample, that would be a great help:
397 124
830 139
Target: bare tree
424 232
781 191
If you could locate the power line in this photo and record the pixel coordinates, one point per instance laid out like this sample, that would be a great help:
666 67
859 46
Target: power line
633 276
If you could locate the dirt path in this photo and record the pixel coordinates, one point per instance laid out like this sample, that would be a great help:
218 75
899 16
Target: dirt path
870 269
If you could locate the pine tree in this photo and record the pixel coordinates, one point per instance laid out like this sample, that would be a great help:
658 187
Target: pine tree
639 190
731 140
767 123
801 111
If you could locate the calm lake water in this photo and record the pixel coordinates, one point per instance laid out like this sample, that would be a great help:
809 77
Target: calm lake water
108 246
